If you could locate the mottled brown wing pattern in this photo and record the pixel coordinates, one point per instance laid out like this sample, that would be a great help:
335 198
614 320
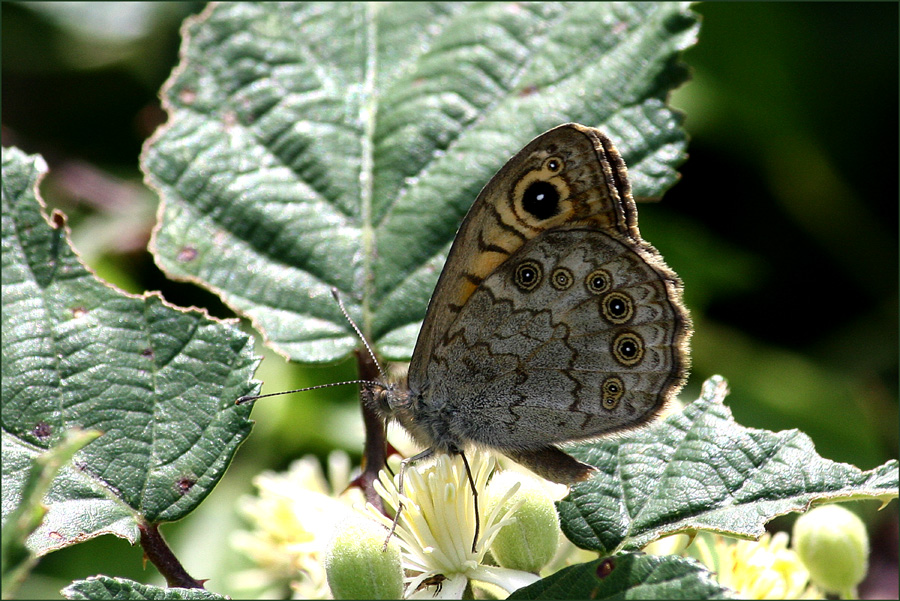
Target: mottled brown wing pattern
580 333
570 174
552 321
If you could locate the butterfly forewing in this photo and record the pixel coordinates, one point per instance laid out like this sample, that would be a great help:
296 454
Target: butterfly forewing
570 174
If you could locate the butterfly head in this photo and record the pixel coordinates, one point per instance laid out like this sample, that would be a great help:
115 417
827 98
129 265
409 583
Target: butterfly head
395 402
386 399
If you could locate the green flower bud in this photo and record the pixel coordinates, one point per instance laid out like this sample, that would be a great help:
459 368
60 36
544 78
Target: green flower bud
529 543
833 544
356 566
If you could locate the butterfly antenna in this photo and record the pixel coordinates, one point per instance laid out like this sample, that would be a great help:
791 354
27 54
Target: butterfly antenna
334 293
337 297
253 397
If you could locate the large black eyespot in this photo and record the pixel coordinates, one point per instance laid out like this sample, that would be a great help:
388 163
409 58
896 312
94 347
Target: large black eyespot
541 200
617 308
527 275
561 278
598 281
611 390
628 349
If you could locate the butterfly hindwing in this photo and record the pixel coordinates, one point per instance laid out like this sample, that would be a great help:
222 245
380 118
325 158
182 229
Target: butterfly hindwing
571 338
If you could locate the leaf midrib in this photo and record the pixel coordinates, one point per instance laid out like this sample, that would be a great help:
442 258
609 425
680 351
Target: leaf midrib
369 110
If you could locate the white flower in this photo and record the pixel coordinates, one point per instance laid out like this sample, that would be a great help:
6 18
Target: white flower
437 526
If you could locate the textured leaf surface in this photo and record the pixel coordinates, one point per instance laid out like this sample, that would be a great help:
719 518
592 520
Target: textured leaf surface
104 587
340 144
699 470
25 518
158 382
629 576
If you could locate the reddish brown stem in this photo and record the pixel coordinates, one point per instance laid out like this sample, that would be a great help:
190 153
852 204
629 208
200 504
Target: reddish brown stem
158 552
375 451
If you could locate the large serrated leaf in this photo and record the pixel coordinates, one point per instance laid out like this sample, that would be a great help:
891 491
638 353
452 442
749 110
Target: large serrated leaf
159 382
629 576
314 145
699 470
104 587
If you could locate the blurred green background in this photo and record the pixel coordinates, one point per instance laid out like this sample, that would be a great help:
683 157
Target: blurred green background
783 227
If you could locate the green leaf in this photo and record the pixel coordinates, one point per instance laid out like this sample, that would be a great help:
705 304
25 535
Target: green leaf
159 382
340 144
104 587
18 525
699 470
629 576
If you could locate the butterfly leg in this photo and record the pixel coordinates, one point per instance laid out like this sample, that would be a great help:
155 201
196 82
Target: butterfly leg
424 455
474 498
403 465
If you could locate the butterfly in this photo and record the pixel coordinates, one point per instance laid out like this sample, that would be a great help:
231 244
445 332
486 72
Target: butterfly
552 321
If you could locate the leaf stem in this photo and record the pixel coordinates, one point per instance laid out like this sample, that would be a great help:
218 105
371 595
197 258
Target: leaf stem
158 552
375 451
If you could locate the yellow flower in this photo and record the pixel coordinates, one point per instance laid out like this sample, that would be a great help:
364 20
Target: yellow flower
764 569
292 520
296 515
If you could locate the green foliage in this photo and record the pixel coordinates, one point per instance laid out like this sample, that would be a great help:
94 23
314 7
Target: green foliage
104 587
290 165
320 145
158 382
699 470
629 576
17 560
